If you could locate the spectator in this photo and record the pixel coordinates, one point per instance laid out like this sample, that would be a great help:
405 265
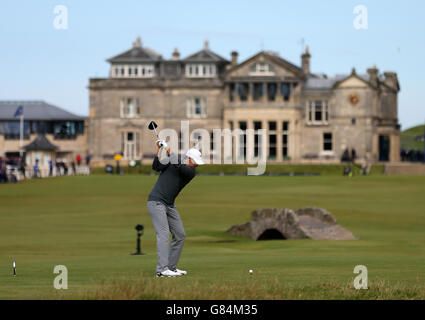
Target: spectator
353 155
78 159
22 167
74 170
36 169
88 158
347 170
50 168
65 167
58 168
345 156
3 174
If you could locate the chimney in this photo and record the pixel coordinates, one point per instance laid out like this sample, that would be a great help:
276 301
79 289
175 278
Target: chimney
373 76
137 43
206 44
234 58
391 80
305 60
176 54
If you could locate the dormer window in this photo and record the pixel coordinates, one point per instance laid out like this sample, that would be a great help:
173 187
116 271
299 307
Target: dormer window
262 69
133 71
203 70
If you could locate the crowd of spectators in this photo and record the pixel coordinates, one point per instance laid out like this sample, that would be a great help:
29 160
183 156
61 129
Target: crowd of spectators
12 167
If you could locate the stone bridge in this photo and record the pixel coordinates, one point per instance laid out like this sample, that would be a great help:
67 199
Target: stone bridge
305 223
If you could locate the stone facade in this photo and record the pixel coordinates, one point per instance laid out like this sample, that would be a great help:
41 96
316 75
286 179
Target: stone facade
310 118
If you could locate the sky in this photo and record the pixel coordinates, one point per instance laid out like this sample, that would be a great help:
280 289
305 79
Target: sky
41 62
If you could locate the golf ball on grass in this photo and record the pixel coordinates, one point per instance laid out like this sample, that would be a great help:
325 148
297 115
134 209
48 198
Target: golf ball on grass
250 272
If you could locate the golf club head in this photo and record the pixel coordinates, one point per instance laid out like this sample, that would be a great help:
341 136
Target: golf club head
152 125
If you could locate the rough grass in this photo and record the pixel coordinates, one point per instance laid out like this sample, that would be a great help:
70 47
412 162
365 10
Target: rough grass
147 288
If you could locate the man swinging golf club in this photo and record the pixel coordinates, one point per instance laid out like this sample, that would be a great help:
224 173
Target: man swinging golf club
173 177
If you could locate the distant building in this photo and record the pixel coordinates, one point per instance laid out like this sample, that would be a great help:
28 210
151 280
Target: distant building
46 128
309 117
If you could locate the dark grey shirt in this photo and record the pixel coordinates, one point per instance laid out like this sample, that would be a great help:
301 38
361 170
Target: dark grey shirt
172 179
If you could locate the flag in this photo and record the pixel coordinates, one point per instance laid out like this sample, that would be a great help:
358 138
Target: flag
19 111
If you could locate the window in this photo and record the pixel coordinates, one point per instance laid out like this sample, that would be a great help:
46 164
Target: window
130 145
317 112
258 91
243 91
271 91
353 121
285 134
286 91
272 125
257 126
261 69
207 70
130 108
326 112
64 130
327 141
212 141
310 112
133 71
147 70
272 146
242 142
196 107
12 130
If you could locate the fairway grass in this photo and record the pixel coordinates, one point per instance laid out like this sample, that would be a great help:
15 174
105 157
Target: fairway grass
87 224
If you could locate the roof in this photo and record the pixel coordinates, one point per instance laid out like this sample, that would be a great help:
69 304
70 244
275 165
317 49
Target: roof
274 57
323 82
205 55
35 110
284 61
40 143
136 54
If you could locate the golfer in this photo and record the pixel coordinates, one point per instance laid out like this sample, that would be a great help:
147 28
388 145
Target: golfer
173 177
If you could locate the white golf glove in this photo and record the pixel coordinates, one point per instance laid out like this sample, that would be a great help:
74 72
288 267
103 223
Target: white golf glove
162 143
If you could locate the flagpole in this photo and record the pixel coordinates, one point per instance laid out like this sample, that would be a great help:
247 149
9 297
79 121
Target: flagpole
21 135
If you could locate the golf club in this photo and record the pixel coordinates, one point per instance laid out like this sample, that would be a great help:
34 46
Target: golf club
152 126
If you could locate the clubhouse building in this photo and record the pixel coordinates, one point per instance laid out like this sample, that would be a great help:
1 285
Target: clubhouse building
309 117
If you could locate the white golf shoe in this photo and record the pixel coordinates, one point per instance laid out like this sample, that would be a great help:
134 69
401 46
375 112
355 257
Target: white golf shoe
181 272
168 273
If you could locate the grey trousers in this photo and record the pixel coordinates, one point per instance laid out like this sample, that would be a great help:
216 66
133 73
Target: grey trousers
166 219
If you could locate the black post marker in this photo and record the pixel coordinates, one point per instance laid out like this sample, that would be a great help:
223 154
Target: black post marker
139 228
14 268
